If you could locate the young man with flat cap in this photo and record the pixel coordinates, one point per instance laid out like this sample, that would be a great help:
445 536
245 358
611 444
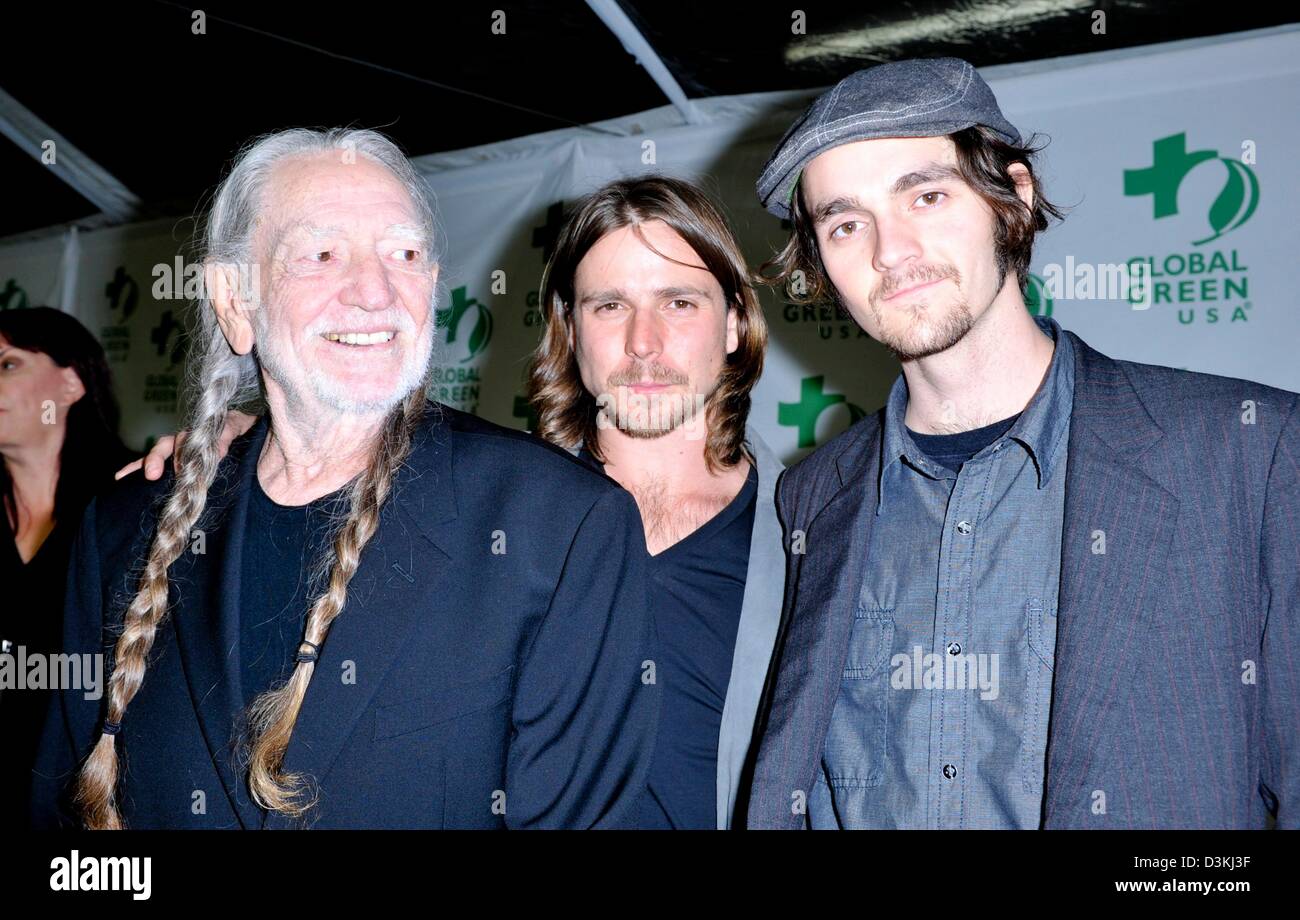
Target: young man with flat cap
1041 587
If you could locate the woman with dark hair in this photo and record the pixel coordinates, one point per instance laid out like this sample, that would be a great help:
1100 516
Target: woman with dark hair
59 445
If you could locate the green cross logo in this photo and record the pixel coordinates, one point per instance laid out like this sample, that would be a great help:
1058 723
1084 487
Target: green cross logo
450 318
1171 162
813 401
122 293
12 297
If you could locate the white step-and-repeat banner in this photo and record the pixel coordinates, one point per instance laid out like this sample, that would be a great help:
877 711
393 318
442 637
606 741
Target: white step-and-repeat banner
1176 161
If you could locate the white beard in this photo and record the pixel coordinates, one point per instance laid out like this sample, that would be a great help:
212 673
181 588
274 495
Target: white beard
279 363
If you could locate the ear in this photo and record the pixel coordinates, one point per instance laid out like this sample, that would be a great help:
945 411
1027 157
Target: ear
73 389
1019 174
234 313
733 329
433 273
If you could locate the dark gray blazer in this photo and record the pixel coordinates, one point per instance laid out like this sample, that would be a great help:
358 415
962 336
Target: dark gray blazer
1177 689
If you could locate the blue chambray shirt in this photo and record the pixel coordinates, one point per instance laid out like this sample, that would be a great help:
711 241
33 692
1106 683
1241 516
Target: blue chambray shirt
941 717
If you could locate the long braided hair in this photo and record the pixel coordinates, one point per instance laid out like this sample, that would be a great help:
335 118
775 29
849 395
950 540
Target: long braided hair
221 380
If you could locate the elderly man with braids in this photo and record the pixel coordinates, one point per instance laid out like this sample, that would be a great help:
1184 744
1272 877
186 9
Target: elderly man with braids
376 611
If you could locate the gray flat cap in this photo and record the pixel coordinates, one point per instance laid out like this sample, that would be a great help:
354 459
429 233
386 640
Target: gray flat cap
915 98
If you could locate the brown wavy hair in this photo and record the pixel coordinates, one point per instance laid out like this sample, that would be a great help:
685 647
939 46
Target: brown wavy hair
982 159
566 412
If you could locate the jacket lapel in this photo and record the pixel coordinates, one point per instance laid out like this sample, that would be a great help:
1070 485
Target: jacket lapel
760 615
207 615
407 562
814 650
1114 494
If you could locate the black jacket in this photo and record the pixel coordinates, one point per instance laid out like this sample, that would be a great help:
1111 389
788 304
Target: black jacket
496 631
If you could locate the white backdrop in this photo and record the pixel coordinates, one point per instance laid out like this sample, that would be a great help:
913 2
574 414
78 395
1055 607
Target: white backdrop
1180 156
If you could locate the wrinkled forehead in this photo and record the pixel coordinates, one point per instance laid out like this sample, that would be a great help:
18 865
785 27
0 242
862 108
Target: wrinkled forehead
322 195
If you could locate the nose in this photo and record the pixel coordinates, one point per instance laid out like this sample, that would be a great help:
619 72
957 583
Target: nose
368 285
644 334
896 243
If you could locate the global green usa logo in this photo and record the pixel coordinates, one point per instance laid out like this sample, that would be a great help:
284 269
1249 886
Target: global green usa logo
813 401
1038 298
470 338
1172 163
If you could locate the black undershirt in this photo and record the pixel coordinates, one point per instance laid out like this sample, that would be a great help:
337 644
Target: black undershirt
281 547
31 618
952 450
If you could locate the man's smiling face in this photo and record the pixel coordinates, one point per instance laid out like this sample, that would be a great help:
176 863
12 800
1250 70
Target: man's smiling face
347 324
907 243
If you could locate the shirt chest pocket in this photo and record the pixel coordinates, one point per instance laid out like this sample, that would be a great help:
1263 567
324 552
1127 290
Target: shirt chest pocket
855 750
443 706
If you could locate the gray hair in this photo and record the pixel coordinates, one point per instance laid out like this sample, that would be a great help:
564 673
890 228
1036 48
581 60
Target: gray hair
219 380
227 238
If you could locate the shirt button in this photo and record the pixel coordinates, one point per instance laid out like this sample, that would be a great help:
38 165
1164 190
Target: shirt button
964 527
954 648
949 771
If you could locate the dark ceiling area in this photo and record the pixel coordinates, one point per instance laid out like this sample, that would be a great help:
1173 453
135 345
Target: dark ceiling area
162 109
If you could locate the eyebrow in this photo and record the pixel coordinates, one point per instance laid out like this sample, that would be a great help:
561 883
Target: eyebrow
413 231
828 209
315 231
613 294
931 172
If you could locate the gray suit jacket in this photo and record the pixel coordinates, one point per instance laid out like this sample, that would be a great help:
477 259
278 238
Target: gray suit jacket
1176 696
760 614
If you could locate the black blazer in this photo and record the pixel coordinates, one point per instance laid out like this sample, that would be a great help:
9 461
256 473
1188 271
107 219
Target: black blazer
492 689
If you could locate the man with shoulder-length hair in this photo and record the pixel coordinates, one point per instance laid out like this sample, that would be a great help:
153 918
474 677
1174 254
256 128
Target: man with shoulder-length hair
653 340
375 611
1041 587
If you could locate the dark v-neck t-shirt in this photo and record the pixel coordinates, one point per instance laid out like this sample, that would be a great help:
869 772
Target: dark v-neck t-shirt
698 588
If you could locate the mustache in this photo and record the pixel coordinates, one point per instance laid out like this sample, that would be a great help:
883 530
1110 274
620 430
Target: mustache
637 373
891 284
389 319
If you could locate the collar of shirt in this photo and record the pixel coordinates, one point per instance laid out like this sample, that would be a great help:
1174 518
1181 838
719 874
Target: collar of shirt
1040 429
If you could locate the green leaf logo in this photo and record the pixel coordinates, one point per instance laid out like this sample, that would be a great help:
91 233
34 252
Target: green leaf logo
1037 301
1237 201
450 317
478 339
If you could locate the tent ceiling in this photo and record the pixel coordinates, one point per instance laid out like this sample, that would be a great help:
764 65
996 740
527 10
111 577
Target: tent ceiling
161 109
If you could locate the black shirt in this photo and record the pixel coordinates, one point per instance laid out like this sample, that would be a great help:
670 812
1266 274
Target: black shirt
282 546
952 450
699 588
31 617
